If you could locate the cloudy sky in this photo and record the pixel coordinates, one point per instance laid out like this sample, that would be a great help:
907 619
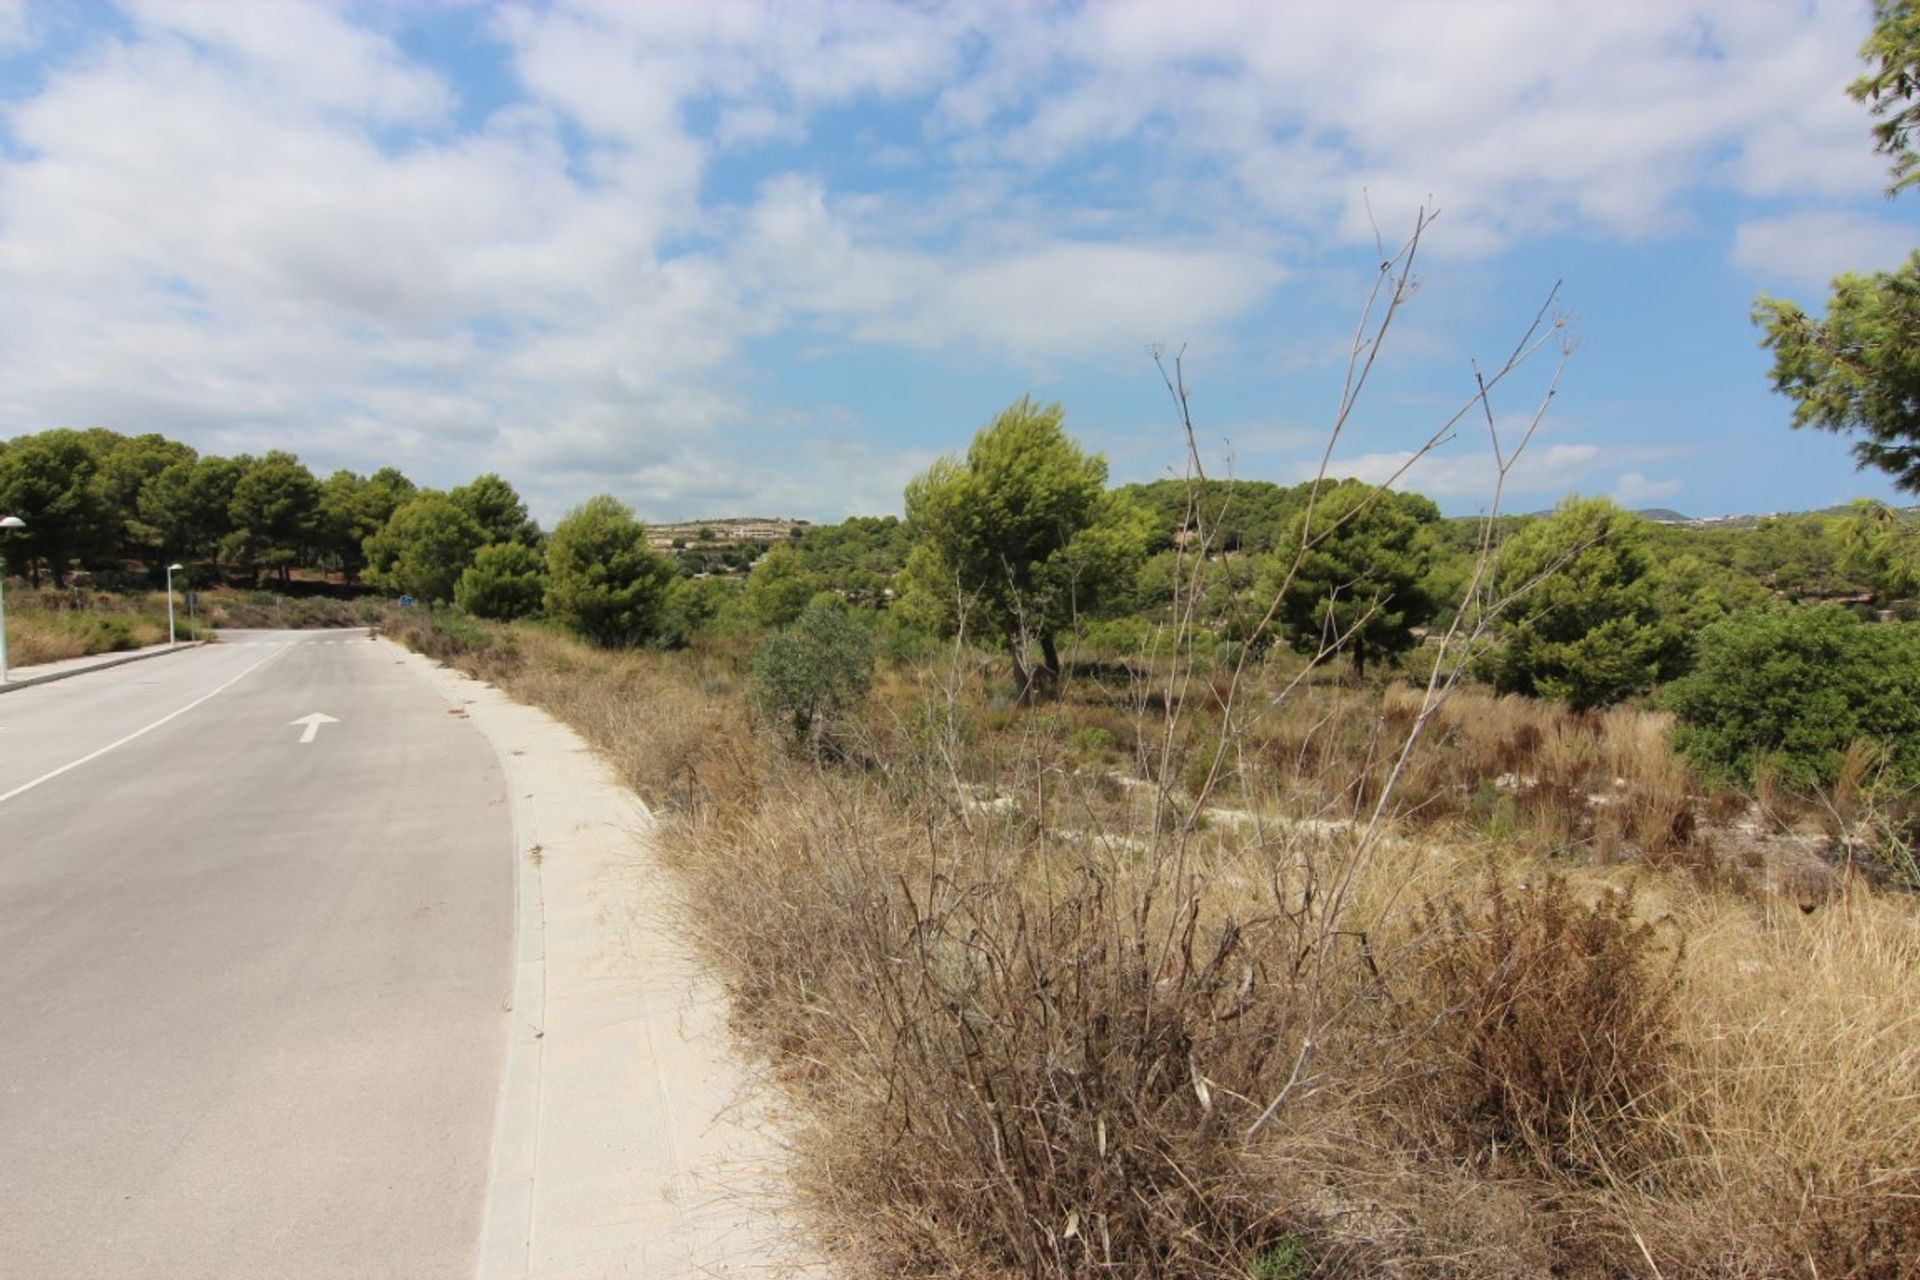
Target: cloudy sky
772 258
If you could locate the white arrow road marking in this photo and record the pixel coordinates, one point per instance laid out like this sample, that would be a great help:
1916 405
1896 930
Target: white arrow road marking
25 787
313 722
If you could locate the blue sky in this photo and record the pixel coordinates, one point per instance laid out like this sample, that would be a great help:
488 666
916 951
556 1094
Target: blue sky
773 258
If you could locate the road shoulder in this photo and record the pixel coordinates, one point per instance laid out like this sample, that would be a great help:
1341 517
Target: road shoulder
65 668
628 1143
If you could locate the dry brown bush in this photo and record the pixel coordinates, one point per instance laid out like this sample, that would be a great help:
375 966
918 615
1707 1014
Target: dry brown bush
1548 1023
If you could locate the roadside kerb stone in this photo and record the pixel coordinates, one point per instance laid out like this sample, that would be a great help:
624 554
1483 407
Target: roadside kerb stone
627 1144
67 668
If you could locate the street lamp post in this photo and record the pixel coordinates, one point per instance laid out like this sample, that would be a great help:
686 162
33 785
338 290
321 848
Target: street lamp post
7 524
170 571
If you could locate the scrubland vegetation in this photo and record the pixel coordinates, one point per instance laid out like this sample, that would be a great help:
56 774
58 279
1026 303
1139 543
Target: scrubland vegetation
1068 989
46 627
1338 897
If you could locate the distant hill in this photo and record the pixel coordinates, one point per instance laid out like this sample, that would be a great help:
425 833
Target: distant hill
1663 515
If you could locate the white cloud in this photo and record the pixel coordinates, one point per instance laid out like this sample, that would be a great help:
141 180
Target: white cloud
183 253
15 30
1518 118
251 225
299 53
1543 471
1632 489
1809 249
1051 298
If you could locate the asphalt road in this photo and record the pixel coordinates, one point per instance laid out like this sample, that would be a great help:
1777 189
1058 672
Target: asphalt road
252 990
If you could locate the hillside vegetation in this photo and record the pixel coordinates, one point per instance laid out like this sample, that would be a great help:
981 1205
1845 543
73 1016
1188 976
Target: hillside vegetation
1114 986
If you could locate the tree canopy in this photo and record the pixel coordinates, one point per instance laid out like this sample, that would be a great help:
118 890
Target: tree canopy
424 548
497 508
275 512
1891 84
1020 536
47 480
1582 624
602 580
1858 369
506 580
1354 575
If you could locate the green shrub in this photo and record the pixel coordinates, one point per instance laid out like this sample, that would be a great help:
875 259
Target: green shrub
805 678
100 633
1116 637
505 581
692 605
1797 686
1284 1259
1585 625
602 581
1092 740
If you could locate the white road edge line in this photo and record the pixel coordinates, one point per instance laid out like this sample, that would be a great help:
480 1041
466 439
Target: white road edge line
25 787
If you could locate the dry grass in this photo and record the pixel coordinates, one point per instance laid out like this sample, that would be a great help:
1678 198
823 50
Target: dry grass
1043 1012
663 721
50 625
1797 1116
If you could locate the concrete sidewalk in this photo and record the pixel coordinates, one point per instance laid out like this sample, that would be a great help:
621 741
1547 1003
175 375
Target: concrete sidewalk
41 673
628 1144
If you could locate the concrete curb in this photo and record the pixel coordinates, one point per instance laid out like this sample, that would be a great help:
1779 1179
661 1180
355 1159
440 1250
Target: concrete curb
506 1232
118 660
629 1141
506 1225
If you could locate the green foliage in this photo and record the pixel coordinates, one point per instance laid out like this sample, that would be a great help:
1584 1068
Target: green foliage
1284 1259
1797 686
692 606
1361 582
506 580
602 581
127 465
1020 536
495 506
275 512
1858 370
779 588
423 549
353 508
1229 515
1092 740
1583 624
807 677
1893 52
1881 547
48 480
860 556
185 506
98 632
